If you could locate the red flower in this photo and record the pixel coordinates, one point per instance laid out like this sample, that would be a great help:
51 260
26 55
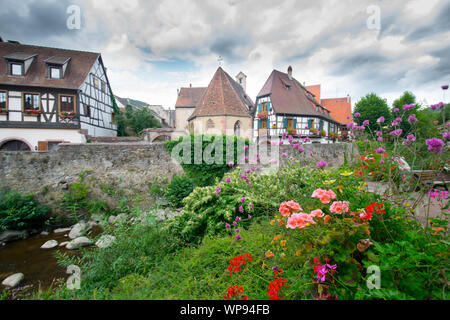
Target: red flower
276 285
374 208
237 261
233 292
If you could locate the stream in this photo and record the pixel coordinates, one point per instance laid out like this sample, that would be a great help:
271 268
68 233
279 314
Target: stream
38 265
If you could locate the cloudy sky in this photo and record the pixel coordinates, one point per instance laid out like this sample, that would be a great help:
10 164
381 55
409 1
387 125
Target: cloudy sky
153 47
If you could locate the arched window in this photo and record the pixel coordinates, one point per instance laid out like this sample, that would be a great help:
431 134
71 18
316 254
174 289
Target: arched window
210 124
237 129
14 145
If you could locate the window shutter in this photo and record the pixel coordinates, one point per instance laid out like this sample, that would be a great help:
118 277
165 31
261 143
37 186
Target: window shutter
285 123
268 106
268 123
259 107
295 123
259 124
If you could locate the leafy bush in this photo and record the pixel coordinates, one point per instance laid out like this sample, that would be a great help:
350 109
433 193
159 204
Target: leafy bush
20 212
205 174
178 189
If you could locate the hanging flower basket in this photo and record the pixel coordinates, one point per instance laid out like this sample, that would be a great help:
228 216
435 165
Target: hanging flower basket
3 110
314 131
323 133
67 114
263 115
32 112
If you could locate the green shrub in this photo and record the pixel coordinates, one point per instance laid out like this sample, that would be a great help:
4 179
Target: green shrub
207 174
178 189
20 212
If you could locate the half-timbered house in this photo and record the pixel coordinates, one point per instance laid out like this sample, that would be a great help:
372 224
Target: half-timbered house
49 96
285 106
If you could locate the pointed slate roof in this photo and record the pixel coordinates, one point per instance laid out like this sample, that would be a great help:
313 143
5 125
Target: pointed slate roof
223 97
295 101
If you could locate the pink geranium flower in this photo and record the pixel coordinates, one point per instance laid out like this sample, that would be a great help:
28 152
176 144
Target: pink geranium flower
317 213
340 207
299 220
325 196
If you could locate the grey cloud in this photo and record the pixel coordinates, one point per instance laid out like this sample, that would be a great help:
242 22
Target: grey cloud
437 24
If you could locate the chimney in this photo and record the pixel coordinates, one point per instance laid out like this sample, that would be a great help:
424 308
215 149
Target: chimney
178 91
290 73
348 98
1 40
190 85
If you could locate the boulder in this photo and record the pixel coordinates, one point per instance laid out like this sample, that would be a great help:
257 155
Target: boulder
105 241
50 244
44 233
63 244
78 243
14 280
62 230
122 217
78 230
112 219
8 236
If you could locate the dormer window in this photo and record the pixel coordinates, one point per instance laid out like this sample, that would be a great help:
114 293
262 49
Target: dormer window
56 67
16 69
288 87
55 72
19 63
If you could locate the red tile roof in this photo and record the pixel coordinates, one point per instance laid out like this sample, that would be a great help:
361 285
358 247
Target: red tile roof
78 69
295 101
223 97
340 109
189 97
315 90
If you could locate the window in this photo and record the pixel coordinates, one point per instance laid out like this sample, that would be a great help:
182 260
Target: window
3 100
55 73
103 86
288 87
113 118
237 128
96 82
210 124
16 69
87 110
66 104
31 102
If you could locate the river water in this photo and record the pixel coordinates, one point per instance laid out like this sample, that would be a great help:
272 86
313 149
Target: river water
38 265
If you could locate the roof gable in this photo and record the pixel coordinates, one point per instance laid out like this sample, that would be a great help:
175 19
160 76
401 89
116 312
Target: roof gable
223 97
189 97
295 100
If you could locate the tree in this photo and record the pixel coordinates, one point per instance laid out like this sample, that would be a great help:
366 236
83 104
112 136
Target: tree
140 119
371 107
406 99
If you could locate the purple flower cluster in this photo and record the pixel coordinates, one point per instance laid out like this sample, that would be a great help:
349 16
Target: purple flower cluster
323 270
357 115
412 119
365 123
409 106
436 194
217 191
409 140
396 133
380 150
436 106
381 119
435 145
321 164
396 110
446 135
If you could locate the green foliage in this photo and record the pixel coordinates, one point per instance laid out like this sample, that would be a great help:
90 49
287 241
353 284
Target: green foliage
20 211
178 189
371 107
137 119
201 172
406 98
